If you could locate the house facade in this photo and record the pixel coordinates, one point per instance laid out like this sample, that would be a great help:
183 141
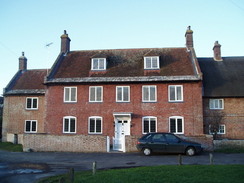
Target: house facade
97 98
223 94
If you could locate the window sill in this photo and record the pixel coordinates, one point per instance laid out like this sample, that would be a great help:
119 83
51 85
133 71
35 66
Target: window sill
176 101
31 109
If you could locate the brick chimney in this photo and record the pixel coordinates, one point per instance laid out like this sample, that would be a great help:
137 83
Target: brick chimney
189 37
216 50
22 62
65 42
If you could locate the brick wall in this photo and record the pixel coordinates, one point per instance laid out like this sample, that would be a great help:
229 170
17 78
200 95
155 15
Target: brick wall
220 144
130 143
234 118
64 143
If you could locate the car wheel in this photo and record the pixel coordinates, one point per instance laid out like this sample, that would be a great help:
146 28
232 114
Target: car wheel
147 151
190 151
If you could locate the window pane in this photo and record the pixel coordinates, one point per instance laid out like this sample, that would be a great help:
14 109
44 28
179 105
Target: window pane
152 93
211 104
152 125
216 103
179 125
148 62
99 94
66 125
95 63
154 62
179 93
172 92
101 64
92 125
98 125
172 125
73 94
146 125
126 93
145 94
72 125
119 93
92 94
220 104
27 126
66 94
34 103
28 103
33 127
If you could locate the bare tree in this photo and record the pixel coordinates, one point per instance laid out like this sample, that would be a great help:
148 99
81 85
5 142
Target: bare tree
216 117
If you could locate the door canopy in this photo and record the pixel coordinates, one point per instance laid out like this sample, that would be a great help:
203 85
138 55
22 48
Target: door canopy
122 116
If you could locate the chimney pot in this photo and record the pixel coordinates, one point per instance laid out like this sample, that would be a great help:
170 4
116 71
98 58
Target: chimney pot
217 51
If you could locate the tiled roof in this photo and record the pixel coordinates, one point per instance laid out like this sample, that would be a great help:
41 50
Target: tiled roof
125 63
223 78
27 82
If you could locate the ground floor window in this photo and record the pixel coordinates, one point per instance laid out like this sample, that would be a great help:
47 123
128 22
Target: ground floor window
176 124
221 129
95 124
149 124
30 126
69 124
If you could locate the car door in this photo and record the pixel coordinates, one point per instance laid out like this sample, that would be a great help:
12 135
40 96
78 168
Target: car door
157 143
173 144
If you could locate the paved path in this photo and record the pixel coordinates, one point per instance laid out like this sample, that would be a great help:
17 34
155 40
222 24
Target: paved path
31 167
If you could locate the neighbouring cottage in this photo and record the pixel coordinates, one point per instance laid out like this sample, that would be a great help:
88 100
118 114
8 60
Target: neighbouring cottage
92 99
223 94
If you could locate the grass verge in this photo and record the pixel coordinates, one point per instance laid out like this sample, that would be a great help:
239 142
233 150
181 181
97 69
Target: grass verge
164 173
9 146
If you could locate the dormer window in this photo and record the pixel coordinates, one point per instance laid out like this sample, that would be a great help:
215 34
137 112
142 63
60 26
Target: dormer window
151 62
98 64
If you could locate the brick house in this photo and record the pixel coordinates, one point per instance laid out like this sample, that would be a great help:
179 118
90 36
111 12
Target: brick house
93 98
223 84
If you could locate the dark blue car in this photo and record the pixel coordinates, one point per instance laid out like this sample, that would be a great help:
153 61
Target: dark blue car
167 143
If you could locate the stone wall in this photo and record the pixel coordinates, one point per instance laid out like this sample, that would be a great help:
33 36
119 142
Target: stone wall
64 143
220 144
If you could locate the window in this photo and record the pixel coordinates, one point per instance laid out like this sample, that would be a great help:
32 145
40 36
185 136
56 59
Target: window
149 94
31 103
151 62
176 125
149 124
175 93
98 64
220 131
95 94
216 104
69 124
95 125
30 126
122 93
70 94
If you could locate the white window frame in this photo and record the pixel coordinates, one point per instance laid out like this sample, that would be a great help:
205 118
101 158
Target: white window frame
122 94
221 127
70 100
176 97
176 125
99 66
215 103
31 123
96 94
150 130
32 103
149 93
69 125
151 62
95 126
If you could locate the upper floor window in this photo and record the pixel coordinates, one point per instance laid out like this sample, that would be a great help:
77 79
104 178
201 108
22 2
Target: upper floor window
98 64
151 62
176 124
149 93
149 124
95 93
175 93
31 103
30 126
221 129
69 124
95 124
70 94
122 93
216 104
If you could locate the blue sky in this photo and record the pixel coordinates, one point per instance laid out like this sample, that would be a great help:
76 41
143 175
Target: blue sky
111 24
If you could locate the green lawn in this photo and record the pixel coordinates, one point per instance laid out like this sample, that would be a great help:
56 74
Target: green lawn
164 173
9 146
